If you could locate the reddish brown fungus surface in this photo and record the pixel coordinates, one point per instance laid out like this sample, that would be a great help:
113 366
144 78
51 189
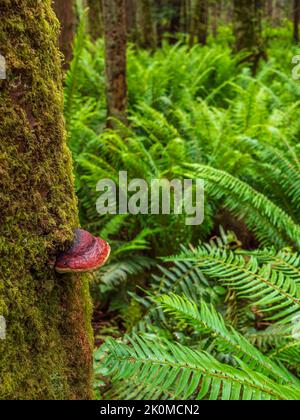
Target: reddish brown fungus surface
85 255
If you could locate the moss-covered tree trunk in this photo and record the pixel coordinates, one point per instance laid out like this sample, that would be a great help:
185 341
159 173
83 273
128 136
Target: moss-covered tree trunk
65 11
48 346
114 18
95 21
248 29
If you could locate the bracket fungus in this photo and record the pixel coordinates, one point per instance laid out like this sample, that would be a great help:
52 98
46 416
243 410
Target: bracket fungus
86 254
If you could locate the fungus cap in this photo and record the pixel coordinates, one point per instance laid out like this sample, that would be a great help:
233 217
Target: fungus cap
87 254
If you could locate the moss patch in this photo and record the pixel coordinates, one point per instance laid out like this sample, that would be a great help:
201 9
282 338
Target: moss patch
47 352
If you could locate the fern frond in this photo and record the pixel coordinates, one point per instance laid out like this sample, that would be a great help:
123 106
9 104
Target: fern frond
283 261
269 290
189 374
117 272
204 318
289 354
183 278
270 224
282 167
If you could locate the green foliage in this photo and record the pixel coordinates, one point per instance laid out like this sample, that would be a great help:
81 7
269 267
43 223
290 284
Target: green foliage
218 321
179 117
214 360
187 372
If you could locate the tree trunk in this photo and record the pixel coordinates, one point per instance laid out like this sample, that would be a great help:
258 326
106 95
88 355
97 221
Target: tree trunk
248 29
131 19
114 18
278 12
47 352
95 21
199 26
215 17
65 11
270 10
175 22
146 27
159 24
296 20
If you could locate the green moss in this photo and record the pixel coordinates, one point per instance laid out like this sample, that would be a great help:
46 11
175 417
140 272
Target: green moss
48 348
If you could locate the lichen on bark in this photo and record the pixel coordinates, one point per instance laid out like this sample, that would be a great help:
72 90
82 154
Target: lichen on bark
48 345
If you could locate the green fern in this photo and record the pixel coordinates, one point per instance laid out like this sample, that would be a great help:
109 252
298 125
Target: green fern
276 295
204 318
188 373
270 224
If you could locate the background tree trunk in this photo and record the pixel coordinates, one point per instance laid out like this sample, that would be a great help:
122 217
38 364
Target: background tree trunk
215 16
114 18
147 37
278 13
131 19
296 20
199 26
65 11
159 25
95 21
248 29
47 352
185 16
269 10
175 21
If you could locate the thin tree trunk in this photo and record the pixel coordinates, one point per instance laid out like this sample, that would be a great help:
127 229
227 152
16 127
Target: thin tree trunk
146 27
47 352
131 19
278 12
270 9
114 18
199 27
296 20
65 11
215 16
95 21
159 27
248 29
175 25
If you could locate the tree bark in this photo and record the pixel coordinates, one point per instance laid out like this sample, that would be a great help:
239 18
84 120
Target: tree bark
65 11
95 21
278 12
215 16
146 26
296 20
248 29
131 19
175 22
114 18
199 26
159 24
270 9
47 353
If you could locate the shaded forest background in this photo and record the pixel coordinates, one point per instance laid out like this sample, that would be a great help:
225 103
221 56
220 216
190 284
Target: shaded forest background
197 89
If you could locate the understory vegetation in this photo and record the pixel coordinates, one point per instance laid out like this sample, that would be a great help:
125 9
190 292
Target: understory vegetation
207 312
